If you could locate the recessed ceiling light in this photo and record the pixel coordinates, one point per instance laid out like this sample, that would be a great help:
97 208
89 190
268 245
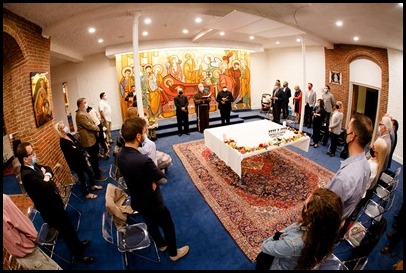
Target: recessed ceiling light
185 31
92 30
356 38
222 33
277 42
198 20
145 33
298 40
147 21
339 23
100 41
252 37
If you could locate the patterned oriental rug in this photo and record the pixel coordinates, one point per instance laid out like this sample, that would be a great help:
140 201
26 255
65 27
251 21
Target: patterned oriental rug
276 184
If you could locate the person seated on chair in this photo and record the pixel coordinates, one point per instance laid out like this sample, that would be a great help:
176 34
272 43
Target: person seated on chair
37 181
75 157
307 242
143 180
20 239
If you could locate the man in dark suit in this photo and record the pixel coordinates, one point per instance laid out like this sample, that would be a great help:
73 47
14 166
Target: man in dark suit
37 181
277 104
182 112
287 95
224 99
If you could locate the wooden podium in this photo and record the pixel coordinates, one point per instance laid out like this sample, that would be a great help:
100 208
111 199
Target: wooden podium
203 115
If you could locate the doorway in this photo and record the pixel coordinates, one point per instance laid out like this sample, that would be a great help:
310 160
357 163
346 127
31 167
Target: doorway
365 100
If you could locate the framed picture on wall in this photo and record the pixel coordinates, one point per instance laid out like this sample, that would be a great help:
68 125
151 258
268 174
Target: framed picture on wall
41 98
335 77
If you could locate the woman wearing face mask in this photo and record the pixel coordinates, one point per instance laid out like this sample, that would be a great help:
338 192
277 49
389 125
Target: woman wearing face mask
318 118
76 159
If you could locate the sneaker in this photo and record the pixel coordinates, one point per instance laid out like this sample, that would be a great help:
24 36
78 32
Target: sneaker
101 179
181 252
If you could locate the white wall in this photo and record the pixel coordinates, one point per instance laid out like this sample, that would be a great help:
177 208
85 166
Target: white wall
98 73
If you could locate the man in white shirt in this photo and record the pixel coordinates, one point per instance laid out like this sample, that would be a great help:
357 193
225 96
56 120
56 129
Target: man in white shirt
105 113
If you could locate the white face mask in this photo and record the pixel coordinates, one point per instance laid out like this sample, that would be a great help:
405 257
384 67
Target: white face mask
66 129
144 137
224 89
86 105
325 90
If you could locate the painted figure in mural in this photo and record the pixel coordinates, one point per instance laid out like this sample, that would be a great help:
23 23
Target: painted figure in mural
41 103
126 83
245 84
235 73
188 68
174 68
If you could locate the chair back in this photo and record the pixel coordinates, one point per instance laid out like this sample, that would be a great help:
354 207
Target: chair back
107 227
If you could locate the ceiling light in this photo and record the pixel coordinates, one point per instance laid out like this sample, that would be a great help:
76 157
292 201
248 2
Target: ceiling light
145 33
198 20
277 42
252 37
356 38
147 21
222 33
100 41
339 23
92 30
298 40
185 31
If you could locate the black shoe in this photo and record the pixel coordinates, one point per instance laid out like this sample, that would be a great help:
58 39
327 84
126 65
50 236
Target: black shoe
85 259
324 144
331 155
188 133
328 153
179 134
102 170
85 243
386 249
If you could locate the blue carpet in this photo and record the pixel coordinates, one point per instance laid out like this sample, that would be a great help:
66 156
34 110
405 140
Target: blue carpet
211 247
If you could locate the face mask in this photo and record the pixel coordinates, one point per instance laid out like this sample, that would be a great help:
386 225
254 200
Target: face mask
144 136
86 105
224 89
201 88
33 160
309 87
66 129
325 90
180 93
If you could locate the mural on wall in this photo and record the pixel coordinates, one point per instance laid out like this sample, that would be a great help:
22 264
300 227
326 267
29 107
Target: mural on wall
41 97
163 71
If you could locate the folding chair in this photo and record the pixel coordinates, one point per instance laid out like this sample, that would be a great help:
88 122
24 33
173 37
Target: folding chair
47 237
114 173
128 238
66 194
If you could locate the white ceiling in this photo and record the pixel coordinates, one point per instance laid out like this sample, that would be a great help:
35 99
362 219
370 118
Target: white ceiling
377 25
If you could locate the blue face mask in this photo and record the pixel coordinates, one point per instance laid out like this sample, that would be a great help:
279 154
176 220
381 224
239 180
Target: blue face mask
34 160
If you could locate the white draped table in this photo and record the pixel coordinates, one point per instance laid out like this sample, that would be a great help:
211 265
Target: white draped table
246 134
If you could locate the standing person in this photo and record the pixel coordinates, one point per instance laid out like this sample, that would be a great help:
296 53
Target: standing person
87 131
100 136
224 99
318 119
201 100
384 127
105 113
182 112
297 100
311 99
335 128
351 180
395 128
143 179
277 102
287 94
329 106
75 157
37 181
20 239
306 243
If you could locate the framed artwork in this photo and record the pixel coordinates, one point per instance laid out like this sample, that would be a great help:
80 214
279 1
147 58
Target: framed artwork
335 77
41 97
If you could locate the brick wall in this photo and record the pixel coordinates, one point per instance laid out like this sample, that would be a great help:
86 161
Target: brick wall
339 59
25 51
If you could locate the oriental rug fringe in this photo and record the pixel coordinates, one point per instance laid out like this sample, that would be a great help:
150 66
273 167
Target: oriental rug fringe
276 184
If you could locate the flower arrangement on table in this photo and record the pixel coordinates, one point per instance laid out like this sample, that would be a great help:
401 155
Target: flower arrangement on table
290 135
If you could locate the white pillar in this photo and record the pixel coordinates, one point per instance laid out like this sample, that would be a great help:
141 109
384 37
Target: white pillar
137 72
304 85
